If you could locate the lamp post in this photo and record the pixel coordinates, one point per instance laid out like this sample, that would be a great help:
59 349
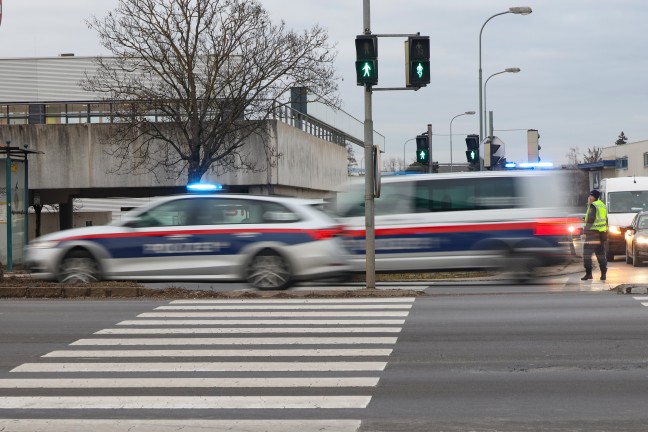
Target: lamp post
507 70
521 10
458 115
404 161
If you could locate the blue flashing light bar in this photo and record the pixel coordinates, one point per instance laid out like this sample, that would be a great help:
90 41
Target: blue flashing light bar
535 165
204 187
510 165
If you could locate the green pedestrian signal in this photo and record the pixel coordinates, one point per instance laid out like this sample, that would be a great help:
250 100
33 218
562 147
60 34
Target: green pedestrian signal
422 150
472 152
366 60
472 156
417 61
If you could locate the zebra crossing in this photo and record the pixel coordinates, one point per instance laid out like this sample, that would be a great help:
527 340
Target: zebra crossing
227 365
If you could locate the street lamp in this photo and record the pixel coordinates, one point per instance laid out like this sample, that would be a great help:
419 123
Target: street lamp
519 10
404 161
507 70
458 115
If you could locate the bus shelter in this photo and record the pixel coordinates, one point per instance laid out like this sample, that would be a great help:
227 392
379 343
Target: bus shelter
14 203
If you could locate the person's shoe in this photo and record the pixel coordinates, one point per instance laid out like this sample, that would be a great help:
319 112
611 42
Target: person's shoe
587 276
603 275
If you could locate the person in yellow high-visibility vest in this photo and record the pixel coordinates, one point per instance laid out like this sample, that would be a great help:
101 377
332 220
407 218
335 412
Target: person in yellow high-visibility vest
595 235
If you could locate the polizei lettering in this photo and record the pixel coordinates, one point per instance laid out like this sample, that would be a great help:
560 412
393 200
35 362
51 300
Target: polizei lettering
175 248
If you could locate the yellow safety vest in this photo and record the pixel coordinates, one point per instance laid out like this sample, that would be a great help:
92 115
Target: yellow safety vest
600 219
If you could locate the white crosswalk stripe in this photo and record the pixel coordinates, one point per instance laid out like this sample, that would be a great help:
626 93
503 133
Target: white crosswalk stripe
239 330
184 425
296 350
222 353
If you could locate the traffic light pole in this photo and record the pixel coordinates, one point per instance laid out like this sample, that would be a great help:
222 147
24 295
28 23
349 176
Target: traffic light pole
431 163
370 233
368 79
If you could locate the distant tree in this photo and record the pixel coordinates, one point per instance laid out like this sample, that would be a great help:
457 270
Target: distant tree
622 139
572 158
351 159
392 164
194 80
594 154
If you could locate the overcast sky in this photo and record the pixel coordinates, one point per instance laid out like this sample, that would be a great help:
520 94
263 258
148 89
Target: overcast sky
584 65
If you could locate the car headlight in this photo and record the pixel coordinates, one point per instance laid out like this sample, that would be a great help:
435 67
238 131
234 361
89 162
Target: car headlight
642 240
48 244
614 229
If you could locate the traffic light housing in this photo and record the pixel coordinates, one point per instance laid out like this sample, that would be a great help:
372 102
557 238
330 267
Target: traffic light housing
533 146
422 150
472 152
417 61
366 60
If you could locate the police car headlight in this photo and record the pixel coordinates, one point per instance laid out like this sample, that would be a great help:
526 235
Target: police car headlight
48 244
613 229
642 240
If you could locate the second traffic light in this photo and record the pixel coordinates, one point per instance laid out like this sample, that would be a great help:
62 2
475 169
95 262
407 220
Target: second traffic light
417 61
366 60
422 150
472 146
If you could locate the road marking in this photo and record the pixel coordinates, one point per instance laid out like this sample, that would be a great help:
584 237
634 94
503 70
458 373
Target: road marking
233 330
271 314
285 307
184 425
222 353
262 322
303 301
239 341
203 367
183 402
187 382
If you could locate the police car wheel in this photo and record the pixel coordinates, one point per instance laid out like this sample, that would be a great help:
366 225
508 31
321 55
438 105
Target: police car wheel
78 267
269 271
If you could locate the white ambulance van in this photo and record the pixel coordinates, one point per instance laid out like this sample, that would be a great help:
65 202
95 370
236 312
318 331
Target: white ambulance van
515 220
624 198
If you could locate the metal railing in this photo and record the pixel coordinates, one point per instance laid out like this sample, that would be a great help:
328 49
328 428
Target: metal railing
76 112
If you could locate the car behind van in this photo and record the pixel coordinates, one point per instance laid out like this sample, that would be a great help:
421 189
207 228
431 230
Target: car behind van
514 220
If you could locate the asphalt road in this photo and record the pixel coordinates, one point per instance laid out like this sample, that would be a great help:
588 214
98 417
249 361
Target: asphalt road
509 358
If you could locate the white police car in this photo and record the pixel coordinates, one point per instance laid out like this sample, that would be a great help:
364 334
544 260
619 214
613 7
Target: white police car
511 220
270 242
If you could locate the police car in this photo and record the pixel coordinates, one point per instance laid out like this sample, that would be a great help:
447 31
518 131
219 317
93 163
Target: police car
270 242
511 220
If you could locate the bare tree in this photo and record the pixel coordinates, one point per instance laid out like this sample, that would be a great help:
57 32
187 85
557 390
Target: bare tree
573 158
194 80
594 154
351 159
392 164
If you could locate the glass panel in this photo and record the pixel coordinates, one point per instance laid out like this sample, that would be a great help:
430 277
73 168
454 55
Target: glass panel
627 201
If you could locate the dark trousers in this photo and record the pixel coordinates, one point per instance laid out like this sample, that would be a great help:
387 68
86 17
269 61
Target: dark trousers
594 244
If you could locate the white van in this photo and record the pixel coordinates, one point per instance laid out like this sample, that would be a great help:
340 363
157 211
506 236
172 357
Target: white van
624 198
426 222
